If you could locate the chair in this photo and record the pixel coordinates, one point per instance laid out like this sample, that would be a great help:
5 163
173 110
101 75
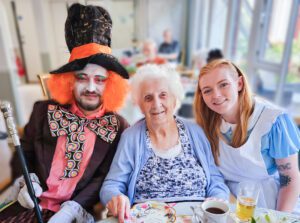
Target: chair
181 57
43 81
5 155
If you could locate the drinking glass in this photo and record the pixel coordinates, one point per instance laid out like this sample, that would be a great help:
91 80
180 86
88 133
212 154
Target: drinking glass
247 196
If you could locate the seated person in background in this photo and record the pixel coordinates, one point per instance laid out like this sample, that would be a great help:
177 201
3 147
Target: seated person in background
214 55
202 57
251 139
199 60
162 157
70 141
169 49
149 55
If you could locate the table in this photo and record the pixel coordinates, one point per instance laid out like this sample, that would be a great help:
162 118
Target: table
187 73
184 214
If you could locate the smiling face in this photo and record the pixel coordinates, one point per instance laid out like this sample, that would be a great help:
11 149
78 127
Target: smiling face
220 91
89 86
157 102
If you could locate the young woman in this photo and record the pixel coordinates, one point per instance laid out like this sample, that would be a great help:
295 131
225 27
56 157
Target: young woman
251 139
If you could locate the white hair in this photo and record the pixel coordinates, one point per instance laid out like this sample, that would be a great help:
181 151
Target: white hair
150 72
150 42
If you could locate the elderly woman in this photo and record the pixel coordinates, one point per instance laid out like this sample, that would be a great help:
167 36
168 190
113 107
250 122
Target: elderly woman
162 157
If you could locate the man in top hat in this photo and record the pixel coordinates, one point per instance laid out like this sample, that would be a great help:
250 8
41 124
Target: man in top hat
70 141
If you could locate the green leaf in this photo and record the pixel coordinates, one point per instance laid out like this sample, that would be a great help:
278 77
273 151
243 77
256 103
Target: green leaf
253 220
267 218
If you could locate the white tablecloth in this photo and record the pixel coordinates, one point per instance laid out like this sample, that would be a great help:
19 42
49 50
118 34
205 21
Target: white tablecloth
184 213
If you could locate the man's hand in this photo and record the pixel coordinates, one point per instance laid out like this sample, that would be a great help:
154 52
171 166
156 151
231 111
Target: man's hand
119 206
71 211
24 197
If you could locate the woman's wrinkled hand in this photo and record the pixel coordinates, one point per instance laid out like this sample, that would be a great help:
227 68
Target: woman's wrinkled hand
119 206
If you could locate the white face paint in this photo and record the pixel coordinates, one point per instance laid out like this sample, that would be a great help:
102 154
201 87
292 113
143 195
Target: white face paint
89 86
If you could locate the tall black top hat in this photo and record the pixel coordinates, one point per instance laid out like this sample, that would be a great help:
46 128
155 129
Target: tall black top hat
88 37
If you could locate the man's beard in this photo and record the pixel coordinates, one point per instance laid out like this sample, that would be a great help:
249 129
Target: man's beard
87 106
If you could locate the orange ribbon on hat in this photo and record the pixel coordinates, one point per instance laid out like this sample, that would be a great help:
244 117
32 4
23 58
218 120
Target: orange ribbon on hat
87 50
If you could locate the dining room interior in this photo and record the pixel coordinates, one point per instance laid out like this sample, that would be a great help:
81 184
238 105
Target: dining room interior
260 37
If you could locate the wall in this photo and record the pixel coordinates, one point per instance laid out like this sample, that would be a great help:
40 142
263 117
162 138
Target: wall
171 14
58 15
154 16
8 71
36 27
122 14
29 36
42 27
45 30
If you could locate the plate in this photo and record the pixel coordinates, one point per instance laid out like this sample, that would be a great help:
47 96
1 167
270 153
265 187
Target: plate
188 219
153 212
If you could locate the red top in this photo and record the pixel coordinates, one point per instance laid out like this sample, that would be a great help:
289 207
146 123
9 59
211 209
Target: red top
60 190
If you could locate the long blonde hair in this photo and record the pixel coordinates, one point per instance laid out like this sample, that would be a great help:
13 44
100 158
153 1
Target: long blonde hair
210 121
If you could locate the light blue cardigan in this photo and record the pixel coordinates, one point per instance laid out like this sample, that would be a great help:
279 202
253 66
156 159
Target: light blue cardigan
132 154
